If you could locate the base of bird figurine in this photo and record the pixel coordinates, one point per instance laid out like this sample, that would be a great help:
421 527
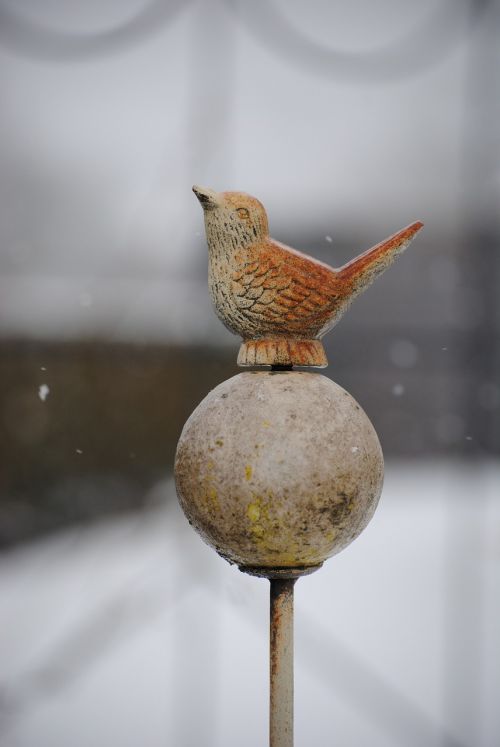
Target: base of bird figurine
282 351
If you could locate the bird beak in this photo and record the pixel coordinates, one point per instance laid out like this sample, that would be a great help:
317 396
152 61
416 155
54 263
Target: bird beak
209 199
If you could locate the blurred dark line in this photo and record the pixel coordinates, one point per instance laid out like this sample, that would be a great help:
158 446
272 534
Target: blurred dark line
351 677
27 38
414 53
465 601
195 642
112 621
463 664
212 84
480 169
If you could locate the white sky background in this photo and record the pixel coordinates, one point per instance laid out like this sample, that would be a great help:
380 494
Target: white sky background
100 228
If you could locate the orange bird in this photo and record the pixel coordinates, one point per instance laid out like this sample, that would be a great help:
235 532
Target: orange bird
280 301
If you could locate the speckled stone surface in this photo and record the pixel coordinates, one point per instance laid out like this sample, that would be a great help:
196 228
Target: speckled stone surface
278 469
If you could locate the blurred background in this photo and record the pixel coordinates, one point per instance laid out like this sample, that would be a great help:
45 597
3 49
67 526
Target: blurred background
348 121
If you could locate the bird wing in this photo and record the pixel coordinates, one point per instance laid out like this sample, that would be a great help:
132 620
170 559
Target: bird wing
278 286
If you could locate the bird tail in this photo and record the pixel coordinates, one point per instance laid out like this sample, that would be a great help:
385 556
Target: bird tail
361 271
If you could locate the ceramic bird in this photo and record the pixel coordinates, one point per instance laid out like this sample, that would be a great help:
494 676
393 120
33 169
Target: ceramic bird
280 301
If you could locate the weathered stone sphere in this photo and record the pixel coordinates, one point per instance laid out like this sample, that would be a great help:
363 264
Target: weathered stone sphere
278 470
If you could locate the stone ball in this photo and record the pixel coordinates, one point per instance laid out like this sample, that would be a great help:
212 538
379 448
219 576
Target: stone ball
278 470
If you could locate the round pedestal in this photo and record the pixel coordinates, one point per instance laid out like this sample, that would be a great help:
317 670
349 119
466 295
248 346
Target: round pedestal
278 471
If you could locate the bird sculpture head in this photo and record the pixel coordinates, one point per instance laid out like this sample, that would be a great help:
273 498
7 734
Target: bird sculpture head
233 218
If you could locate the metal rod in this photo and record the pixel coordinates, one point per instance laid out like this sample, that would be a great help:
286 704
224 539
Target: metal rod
281 663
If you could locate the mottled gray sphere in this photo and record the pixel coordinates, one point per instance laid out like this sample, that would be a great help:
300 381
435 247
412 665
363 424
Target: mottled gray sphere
278 470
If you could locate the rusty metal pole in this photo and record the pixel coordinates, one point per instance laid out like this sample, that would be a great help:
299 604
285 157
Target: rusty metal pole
281 663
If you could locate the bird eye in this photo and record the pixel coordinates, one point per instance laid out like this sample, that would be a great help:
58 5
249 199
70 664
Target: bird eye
243 213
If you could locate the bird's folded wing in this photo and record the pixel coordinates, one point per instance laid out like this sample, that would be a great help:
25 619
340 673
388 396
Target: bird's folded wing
282 286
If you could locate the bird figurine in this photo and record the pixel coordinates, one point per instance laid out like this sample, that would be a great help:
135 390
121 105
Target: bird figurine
279 300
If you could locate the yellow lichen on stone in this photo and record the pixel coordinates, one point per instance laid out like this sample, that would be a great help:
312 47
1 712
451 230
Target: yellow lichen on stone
258 531
248 473
270 538
211 498
212 494
258 514
253 510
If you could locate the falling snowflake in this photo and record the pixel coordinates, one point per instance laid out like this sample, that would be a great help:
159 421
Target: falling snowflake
43 392
329 239
403 353
86 299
